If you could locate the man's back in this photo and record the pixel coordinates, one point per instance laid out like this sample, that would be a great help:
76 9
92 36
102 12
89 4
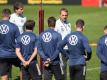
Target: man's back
77 44
8 33
49 41
27 42
102 43
102 52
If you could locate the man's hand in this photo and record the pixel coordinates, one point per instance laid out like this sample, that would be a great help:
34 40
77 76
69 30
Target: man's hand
47 62
48 59
26 63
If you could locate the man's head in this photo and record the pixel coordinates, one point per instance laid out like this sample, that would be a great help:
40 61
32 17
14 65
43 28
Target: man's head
63 14
51 22
6 13
105 29
80 24
18 8
29 25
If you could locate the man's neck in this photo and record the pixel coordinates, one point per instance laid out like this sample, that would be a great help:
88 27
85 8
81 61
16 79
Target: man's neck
18 14
29 31
5 18
79 30
63 20
51 27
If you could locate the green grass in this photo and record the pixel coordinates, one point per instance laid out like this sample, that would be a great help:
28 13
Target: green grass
95 19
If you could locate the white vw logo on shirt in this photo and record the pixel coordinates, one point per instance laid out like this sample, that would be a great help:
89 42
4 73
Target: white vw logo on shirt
73 39
4 29
47 37
25 39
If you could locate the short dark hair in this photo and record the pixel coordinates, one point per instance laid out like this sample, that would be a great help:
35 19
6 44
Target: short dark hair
6 12
29 25
17 5
105 27
80 23
51 21
64 9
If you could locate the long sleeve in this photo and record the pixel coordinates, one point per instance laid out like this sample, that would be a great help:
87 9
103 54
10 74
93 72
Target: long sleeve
40 50
100 53
87 48
56 53
61 46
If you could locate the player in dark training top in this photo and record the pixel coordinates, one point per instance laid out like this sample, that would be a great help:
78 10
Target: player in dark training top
8 33
78 48
26 50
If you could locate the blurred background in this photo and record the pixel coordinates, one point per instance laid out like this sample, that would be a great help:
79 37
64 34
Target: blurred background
64 2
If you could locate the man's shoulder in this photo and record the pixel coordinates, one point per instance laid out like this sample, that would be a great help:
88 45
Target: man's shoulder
79 35
13 14
58 21
103 37
13 25
49 32
8 23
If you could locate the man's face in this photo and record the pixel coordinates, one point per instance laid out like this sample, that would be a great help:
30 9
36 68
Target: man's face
105 31
63 15
19 11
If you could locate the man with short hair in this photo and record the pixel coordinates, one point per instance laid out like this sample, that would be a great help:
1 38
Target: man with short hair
47 48
102 54
8 33
78 52
17 17
64 28
26 50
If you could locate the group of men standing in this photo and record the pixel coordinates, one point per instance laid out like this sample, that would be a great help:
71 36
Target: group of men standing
56 45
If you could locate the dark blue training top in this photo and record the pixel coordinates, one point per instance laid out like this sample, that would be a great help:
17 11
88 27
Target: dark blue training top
27 42
102 52
77 45
47 46
8 33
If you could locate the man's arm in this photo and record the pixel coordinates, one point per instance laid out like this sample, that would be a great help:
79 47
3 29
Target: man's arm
99 51
60 46
58 27
11 18
87 49
33 55
18 53
40 50
34 52
17 32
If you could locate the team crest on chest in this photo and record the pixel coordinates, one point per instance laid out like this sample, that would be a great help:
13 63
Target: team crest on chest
47 37
73 40
4 29
25 39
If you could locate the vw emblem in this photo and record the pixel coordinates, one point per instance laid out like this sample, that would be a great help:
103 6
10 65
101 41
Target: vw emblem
25 39
4 29
47 37
73 39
